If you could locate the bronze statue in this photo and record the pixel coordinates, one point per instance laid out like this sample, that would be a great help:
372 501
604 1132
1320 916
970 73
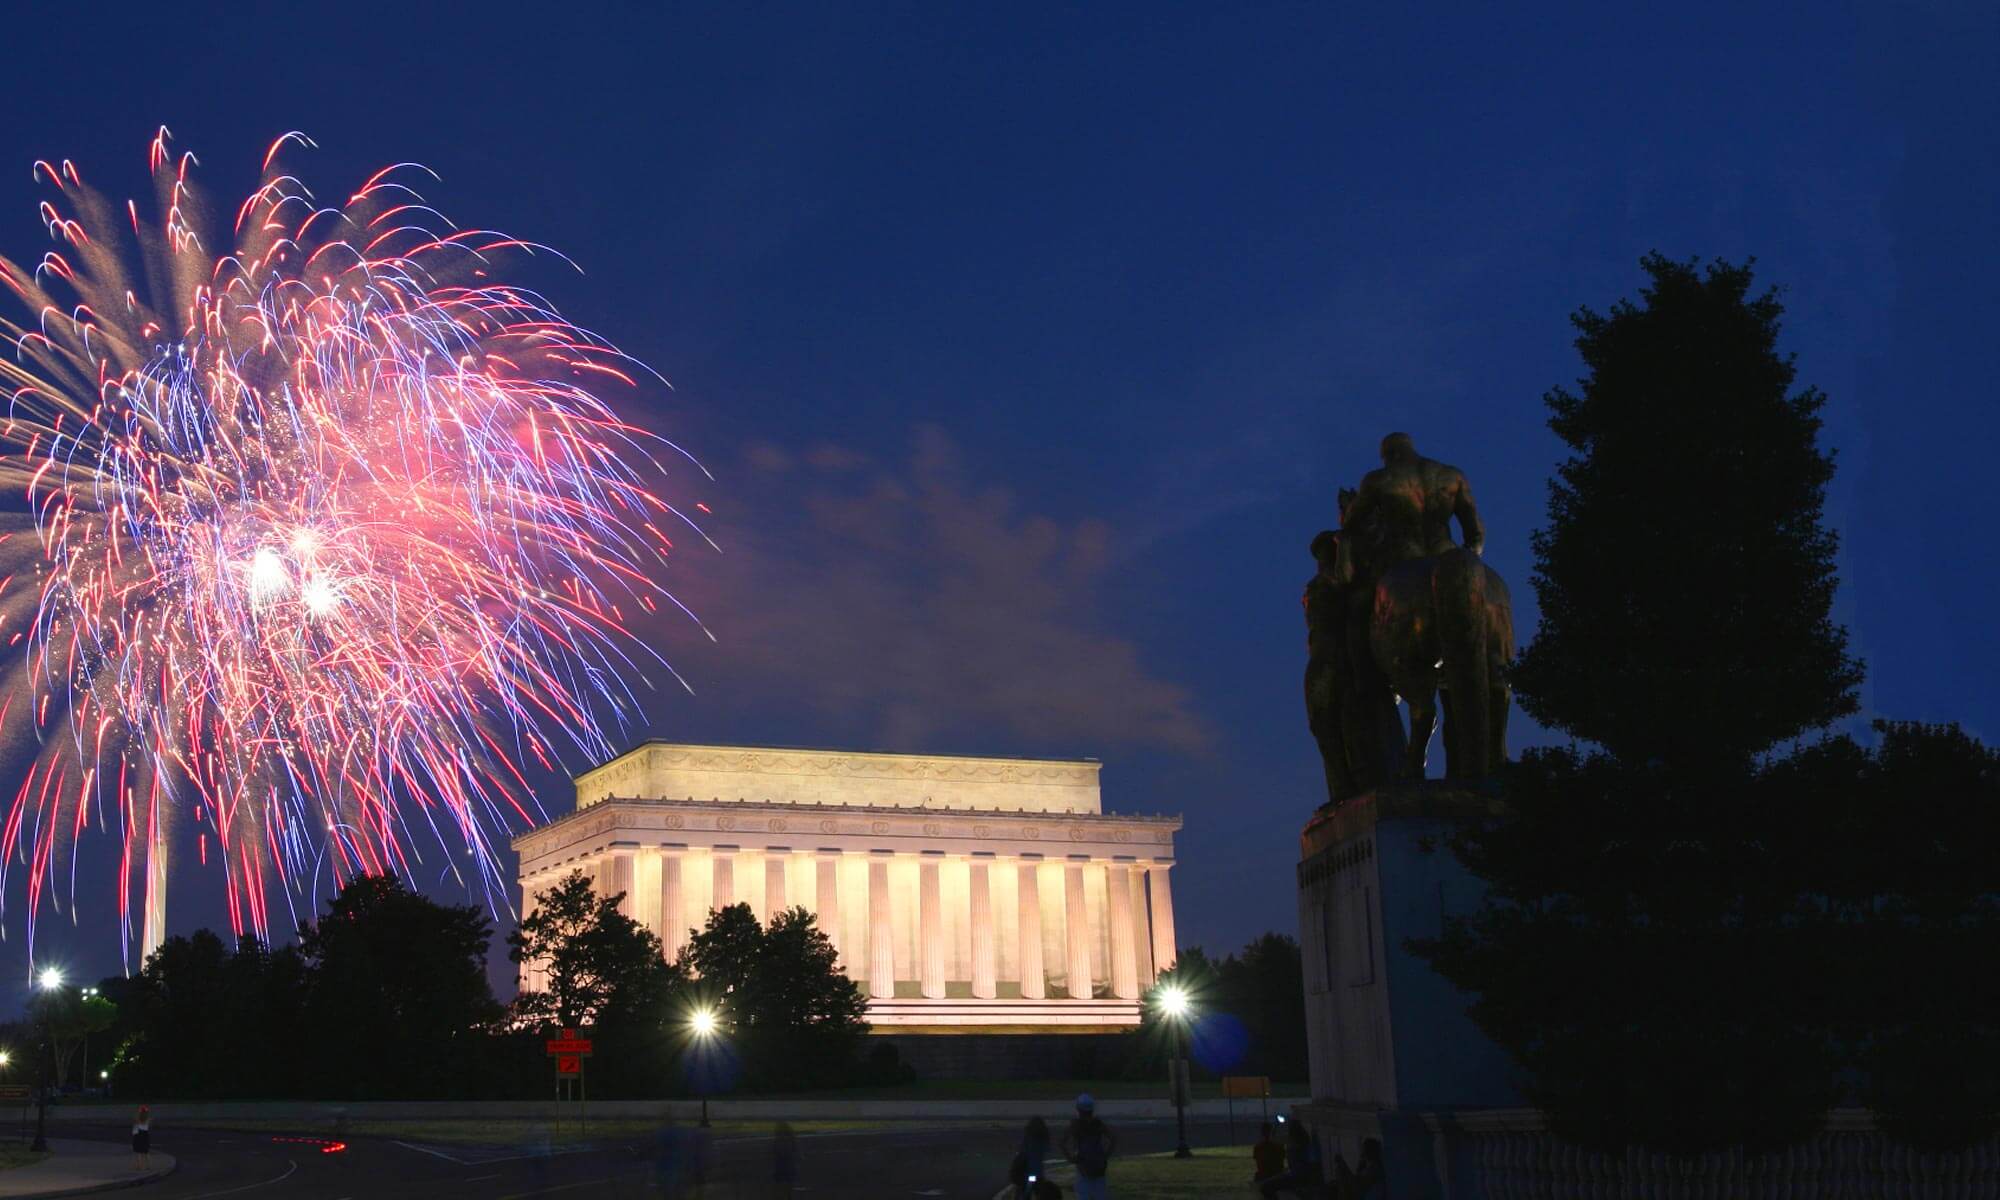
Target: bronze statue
1326 642
1408 503
1406 612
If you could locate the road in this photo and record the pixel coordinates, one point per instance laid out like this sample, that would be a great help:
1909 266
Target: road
906 1160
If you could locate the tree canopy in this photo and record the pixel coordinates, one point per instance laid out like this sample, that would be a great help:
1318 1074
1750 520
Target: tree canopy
1688 944
384 996
779 992
1685 577
1248 1011
602 967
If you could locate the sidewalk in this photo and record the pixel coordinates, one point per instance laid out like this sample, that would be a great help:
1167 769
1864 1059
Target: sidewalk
75 1167
323 1113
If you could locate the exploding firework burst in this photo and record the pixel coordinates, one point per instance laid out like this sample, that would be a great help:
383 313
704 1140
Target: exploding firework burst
318 542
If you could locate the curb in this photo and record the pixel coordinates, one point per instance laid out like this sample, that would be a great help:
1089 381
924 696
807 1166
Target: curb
110 1185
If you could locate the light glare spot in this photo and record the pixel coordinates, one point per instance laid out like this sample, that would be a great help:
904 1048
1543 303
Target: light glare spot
268 576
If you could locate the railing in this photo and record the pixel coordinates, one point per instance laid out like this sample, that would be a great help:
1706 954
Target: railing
1517 1159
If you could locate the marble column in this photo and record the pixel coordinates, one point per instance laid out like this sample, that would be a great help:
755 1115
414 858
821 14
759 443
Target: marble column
776 898
1076 933
620 882
531 968
930 920
1164 953
673 912
1142 934
826 895
881 940
1124 961
984 986
1034 984
723 891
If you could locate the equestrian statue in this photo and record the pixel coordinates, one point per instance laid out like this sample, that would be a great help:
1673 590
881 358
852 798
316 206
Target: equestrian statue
1399 611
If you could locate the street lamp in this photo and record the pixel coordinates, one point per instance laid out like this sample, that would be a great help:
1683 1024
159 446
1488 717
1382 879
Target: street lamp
1175 1007
702 1025
50 980
86 994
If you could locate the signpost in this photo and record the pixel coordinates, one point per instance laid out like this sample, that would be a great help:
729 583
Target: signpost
569 1051
1236 1087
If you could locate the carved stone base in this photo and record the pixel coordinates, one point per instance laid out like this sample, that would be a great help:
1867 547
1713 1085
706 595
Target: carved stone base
1390 1045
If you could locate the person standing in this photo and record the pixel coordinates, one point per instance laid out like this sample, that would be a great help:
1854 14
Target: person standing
1089 1144
1028 1174
1359 1181
1268 1154
142 1139
1301 1175
784 1160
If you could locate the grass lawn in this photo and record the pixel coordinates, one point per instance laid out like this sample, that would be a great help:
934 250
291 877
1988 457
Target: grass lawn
1213 1171
18 1156
1064 1090
519 1130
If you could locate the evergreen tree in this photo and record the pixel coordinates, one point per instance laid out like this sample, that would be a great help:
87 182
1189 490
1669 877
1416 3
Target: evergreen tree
1654 950
1685 578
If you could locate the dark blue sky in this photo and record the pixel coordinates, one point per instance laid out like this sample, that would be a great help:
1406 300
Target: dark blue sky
1029 350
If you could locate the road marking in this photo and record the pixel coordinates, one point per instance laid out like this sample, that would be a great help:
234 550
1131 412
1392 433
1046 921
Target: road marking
290 1167
563 1187
433 1153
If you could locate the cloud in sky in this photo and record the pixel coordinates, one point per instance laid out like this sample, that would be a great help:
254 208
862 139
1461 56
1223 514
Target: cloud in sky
902 603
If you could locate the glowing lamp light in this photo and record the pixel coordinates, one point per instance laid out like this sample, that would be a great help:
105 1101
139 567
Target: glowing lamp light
702 1023
5 1057
1174 1002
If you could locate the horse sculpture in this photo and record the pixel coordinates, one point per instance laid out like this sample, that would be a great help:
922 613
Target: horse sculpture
1444 624
1439 625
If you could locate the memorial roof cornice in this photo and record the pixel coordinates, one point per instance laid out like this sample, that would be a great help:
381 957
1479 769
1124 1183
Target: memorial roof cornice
796 806
848 751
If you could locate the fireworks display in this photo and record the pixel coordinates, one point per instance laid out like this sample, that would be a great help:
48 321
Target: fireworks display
318 541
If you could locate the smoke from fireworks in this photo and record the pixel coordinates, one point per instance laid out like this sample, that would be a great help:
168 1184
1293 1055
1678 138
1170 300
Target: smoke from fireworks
318 541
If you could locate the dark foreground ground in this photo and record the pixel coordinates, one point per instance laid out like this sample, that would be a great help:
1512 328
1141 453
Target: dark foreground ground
899 1159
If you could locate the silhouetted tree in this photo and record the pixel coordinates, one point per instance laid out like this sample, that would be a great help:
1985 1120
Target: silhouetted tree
1685 578
65 1016
603 968
1655 922
201 1021
1248 1013
1896 844
793 1016
396 992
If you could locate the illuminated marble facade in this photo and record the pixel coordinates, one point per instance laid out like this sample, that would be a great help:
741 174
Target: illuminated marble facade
962 893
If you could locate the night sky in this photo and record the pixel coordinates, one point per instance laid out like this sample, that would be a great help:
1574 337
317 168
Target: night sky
1028 351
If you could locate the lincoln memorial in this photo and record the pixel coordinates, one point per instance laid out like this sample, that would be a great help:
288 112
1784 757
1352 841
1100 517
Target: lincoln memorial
963 894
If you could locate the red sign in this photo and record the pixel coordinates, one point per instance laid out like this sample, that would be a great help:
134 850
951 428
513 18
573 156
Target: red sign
568 1045
569 1064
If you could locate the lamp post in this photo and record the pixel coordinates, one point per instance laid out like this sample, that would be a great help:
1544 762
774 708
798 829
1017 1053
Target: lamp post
86 994
50 981
702 1025
1174 1005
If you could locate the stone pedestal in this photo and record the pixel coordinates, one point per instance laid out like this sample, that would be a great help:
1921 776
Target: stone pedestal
1393 1055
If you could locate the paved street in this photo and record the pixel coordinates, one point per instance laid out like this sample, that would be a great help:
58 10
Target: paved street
907 1160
